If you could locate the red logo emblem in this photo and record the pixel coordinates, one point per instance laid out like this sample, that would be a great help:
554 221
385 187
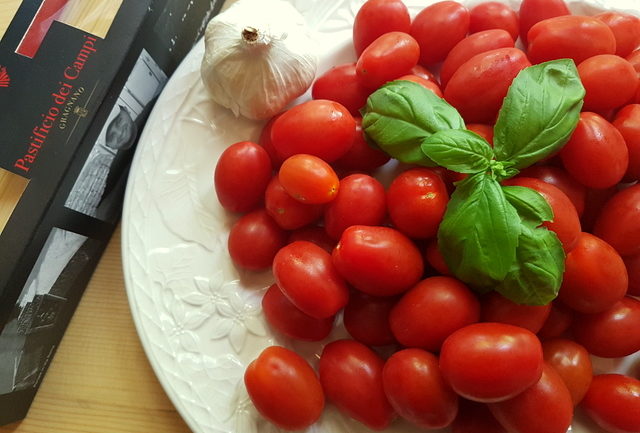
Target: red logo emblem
4 77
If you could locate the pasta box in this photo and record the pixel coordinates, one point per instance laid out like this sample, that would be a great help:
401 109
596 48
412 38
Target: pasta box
78 79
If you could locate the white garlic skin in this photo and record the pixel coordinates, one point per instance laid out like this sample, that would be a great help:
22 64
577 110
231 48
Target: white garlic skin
257 79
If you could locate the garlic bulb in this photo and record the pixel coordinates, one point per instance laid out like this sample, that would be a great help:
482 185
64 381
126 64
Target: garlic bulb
258 57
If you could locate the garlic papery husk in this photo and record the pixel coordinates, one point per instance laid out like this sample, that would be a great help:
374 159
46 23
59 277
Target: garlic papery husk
259 56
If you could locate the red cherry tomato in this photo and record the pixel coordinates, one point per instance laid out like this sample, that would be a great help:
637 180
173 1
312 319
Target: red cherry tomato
479 86
351 377
494 15
314 234
625 28
306 276
435 259
602 92
613 402
284 388
559 320
425 73
596 154
571 36
595 277
627 121
593 204
417 199
387 58
366 319
342 85
476 43
475 417
431 311
497 308
634 59
611 333
361 200
633 269
265 141
318 127
361 156
545 407
308 179
619 221
484 131
287 319
254 240
566 223
559 178
572 362
416 390
534 11
379 261
377 17
438 28
230 177
287 212
427 84
489 362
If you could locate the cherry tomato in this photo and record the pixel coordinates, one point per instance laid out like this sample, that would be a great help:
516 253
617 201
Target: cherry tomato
613 402
361 156
230 177
377 17
427 84
379 261
387 58
559 320
633 269
342 85
366 319
602 92
314 234
611 333
572 362
596 154
619 221
545 407
627 121
425 73
625 28
438 28
570 36
534 11
306 276
435 259
484 131
593 204
308 179
361 200
289 213
634 59
559 178
476 43
318 127
431 311
595 277
497 308
494 15
351 377
475 417
416 390
265 141
566 223
479 85
284 388
490 362
417 199
254 240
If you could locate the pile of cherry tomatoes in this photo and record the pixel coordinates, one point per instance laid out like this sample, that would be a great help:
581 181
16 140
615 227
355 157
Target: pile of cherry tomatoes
346 247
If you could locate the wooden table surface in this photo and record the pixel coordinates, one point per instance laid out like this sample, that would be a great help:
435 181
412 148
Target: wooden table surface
100 380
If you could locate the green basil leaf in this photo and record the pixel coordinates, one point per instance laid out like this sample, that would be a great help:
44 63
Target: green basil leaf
539 114
529 203
401 114
459 150
479 232
536 275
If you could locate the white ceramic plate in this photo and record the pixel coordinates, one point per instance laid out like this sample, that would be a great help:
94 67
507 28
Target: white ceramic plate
198 317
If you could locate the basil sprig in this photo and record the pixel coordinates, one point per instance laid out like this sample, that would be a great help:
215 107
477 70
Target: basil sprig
491 236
